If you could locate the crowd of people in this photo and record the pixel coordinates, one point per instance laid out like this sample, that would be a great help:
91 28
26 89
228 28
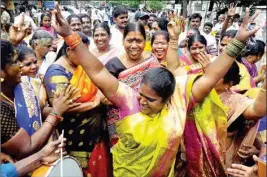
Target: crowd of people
138 96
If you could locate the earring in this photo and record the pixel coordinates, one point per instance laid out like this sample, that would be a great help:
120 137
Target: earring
2 79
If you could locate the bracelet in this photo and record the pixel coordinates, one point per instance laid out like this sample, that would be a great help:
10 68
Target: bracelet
263 90
73 40
234 48
173 44
50 123
60 118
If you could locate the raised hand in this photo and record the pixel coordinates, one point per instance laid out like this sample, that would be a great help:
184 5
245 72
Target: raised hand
203 59
59 24
174 28
242 34
231 10
18 31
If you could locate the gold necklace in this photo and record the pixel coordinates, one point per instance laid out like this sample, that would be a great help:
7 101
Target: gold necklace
10 101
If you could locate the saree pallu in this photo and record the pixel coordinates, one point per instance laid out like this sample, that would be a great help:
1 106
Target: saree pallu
246 81
205 137
240 131
147 146
131 76
85 132
27 108
252 68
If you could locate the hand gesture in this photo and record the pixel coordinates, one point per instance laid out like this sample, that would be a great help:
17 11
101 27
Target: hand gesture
203 59
51 152
242 34
6 158
231 10
59 24
63 100
174 28
18 31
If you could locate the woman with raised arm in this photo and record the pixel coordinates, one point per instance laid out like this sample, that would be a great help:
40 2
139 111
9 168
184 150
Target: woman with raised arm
152 119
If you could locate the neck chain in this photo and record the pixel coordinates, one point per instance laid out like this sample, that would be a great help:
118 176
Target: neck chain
9 100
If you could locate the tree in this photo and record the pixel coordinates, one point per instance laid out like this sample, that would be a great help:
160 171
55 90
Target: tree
155 5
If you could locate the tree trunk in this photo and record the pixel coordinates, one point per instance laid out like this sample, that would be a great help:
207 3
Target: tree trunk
184 8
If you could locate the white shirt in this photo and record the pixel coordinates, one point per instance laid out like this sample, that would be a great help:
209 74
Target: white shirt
218 27
5 17
116 37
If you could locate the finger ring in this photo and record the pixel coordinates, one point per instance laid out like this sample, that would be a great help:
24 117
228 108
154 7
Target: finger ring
70 101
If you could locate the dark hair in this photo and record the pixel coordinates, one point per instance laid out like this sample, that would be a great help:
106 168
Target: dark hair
85 16
95 21
134 27
102 25
196 31
22 9
7 53
236 16
62 50
232 75
208 24
194 16
119 10
162 23
44 15
24 51
229 33
70 17
39 34
196 38
158 33
256 49
152 15
161 80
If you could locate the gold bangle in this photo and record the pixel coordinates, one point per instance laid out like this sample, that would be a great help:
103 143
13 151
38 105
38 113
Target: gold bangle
263 90
50 123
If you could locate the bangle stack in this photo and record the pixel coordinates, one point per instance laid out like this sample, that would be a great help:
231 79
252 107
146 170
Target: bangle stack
234 48
173 43
50 123
60 118
73 40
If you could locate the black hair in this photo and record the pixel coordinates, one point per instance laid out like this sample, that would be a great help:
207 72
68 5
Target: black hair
161 80
152 15
95 21
102 25
44 15
208 24
236 16
39 34
119 10
229 33
63 49
22 9
162 23
196 38
160 32
256 49
70 17
134 27
232 75
7 53
24 51
85 16
194 16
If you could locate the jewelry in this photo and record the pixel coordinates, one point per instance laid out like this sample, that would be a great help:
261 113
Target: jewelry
10 101
70 101
235 48
60 118
73 40
50 123
2 79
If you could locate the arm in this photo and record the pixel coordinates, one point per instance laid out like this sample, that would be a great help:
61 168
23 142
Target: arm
92 66
230 14
258 109
216 70
225 24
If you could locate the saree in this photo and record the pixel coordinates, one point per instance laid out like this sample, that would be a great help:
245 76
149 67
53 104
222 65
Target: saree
147 145
85 131
27 108
205 137
131 76
239 130
252 68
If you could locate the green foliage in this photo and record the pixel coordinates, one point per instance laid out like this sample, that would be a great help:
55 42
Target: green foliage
155 4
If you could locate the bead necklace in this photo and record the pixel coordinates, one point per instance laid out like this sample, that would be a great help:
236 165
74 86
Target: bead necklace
10 101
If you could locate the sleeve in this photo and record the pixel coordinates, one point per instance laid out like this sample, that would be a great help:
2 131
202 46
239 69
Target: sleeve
55 79
125 99
8 170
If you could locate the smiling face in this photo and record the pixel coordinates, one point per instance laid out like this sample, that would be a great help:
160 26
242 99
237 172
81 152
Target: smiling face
29 65
150 103
101 38
76 24
160 47
121 21
134 44
195 50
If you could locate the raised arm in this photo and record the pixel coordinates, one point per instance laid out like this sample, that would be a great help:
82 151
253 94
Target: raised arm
230 14
91 65
172 58
216 70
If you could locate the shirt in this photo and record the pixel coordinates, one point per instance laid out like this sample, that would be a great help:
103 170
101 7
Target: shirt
5 17
117 37
8 170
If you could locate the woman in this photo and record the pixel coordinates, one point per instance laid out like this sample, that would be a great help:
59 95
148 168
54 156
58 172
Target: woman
130 66
46 24
41 42
159 24
103 51
246 81
151 119
159 41
22 132
85 125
